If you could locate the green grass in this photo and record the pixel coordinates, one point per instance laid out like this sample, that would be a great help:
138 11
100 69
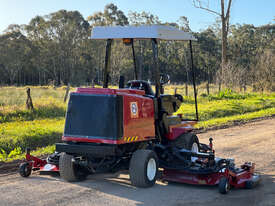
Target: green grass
30 134
21 155
227 106
43 108
41 128
21 128
16 96
209 109
240 118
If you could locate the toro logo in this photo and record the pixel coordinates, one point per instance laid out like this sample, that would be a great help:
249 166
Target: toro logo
134 109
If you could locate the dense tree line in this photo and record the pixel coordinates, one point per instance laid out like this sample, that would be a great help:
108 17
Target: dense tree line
56 49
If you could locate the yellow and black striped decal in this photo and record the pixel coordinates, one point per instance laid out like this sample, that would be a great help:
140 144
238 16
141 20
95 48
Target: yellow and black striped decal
130 139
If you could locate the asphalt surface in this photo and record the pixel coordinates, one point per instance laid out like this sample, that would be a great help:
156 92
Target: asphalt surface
251 142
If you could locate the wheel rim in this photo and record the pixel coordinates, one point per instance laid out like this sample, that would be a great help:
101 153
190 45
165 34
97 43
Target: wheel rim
26 169
195 149
151 169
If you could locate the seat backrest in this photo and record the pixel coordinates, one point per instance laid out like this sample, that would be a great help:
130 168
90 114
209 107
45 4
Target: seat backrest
141 85
169 103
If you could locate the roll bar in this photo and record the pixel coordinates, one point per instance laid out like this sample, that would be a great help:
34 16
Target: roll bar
154 33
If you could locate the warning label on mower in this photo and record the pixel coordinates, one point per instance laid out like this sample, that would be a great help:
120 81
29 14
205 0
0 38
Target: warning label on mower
130 139
134 109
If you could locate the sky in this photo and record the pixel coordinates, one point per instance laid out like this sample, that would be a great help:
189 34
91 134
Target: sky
256 12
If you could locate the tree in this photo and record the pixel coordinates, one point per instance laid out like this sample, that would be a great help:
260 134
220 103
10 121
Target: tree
59 38
111 16
183 51
143 18
264 72
57 47
17 51
247 42
224 14
184 24
207 54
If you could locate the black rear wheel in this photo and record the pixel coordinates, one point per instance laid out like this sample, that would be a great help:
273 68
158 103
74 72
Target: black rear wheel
69 171
187 141
143 168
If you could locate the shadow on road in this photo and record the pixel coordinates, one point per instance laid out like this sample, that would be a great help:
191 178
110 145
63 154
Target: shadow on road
164 193
113 187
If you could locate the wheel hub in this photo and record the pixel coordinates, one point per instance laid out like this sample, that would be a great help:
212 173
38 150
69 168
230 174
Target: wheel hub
151 169
195 149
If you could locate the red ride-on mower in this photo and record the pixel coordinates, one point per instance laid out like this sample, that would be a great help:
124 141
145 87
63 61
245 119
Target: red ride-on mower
134 128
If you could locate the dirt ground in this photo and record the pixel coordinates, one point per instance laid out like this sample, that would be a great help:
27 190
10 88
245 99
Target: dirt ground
250 142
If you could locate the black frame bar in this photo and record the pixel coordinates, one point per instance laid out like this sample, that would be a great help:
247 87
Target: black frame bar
156 69
134 58
107 63
194 80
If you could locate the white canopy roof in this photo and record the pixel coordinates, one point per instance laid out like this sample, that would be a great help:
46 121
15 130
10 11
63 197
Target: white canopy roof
140 32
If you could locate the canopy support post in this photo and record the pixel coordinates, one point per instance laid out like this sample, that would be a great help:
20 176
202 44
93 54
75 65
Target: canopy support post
134 58
194 80
156 69
106 76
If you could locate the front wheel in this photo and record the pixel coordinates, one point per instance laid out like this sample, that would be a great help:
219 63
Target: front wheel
224 185
25 169
143 168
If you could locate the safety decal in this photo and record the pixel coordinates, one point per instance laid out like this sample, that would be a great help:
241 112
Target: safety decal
130 139
134 109
202 182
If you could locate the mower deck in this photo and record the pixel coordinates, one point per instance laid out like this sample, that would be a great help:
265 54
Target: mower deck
33 163
237 178
222 173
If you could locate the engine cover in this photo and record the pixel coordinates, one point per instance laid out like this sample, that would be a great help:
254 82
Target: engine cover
112 116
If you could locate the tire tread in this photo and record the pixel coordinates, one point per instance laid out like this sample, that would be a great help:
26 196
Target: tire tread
138 168
66 168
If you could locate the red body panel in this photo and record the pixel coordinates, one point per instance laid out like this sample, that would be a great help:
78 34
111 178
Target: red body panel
35 162
109 91
107 141
176 130
141 124
138 116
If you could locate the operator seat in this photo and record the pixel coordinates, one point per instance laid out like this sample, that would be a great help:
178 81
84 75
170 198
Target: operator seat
141 85
169 105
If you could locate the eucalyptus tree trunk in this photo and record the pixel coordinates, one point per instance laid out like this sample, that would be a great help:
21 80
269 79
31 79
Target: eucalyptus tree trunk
224 15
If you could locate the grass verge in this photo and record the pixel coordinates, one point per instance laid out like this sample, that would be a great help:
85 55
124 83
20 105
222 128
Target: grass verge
15 137
44 108
239 118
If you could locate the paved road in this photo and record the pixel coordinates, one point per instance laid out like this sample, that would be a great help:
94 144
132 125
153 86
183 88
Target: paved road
250 142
